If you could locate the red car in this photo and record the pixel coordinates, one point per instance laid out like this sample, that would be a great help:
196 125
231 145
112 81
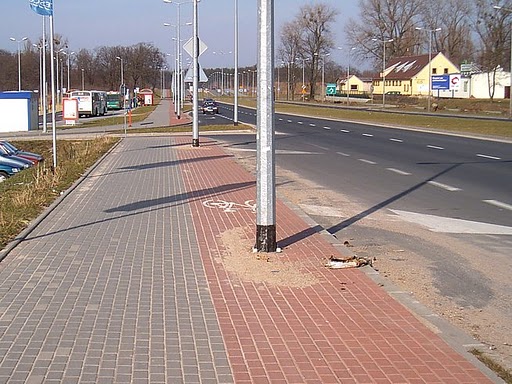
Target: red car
13 151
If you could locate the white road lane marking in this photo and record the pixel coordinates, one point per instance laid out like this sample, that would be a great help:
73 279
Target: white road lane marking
396 140
367 134
451 225
435 147
344 131
328 128
444 186
367 161
312 125
499 204
319 146
398 171
488 156
343 154
300 122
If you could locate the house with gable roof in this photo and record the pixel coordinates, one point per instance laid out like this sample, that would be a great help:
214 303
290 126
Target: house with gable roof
409 75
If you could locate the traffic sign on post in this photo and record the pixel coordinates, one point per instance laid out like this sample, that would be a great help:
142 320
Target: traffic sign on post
189 47
330 89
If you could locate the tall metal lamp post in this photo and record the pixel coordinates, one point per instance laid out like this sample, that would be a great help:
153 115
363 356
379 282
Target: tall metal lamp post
348 76
19 58
510 96
430 32
83 79
122 87
383 68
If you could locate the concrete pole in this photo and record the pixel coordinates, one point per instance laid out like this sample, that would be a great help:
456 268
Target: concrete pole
235 116
52 73
195 84
45 122
265 185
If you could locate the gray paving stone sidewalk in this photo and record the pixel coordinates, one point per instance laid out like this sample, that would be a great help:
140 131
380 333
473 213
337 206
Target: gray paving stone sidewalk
110 288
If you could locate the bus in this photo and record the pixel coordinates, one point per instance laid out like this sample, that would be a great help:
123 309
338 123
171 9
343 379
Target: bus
89 103
114 100
103 102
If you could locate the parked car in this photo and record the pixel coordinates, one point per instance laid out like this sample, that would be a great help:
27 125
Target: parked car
7 170
9 147
8 156
210 106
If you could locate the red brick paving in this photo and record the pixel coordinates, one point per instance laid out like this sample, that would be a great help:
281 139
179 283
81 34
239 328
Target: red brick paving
344 329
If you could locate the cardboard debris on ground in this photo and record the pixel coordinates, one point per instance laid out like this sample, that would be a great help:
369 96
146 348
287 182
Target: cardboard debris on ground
352 262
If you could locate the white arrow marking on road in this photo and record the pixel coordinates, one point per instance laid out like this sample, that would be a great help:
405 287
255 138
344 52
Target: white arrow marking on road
398 171
449 225
488 157
444 186
499 204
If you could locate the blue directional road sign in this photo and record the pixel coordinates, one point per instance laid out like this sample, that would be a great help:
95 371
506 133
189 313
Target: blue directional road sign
440 82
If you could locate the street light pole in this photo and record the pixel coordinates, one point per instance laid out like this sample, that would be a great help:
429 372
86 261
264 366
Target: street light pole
510 94
384 69
180 85
265 185
19 58
236 86
83 80
195 83
348 75
429 31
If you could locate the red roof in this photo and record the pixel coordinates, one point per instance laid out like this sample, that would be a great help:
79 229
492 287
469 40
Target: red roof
406 67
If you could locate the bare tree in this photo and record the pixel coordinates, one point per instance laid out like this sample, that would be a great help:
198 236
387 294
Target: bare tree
382 20
493 28
453 17
315 21
289 51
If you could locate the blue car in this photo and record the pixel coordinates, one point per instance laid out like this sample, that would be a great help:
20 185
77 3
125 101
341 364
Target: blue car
7 170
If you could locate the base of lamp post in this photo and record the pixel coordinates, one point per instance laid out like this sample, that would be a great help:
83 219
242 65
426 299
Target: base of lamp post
266 238
195 142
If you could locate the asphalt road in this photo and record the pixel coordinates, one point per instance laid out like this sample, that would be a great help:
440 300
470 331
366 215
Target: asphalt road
425 173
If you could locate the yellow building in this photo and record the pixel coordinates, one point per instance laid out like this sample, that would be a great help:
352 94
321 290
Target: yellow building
356 85
409 75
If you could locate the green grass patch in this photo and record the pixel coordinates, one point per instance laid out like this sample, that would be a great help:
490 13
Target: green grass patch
186 128
24 196
503 373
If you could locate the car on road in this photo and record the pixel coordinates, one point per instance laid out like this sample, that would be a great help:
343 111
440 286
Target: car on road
210 107
11 149
5 155
7 170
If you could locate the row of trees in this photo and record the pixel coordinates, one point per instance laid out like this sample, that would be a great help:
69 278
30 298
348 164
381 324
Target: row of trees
99 68
464 30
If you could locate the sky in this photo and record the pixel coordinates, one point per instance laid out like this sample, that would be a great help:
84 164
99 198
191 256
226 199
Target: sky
93 23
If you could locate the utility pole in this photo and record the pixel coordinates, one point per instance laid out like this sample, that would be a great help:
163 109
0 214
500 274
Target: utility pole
265 185
195 81
236 86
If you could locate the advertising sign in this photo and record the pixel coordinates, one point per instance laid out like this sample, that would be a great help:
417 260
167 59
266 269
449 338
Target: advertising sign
441 82
70 111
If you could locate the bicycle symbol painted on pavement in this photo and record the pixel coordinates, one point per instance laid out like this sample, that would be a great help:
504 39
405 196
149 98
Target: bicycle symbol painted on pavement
230 206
